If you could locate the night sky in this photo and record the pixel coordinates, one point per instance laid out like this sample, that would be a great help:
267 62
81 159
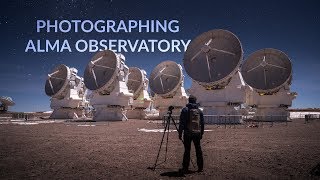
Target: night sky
292 27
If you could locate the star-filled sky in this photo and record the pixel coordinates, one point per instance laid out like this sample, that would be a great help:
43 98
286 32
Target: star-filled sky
290 26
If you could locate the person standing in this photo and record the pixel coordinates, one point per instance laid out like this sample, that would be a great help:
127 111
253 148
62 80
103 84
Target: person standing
191 125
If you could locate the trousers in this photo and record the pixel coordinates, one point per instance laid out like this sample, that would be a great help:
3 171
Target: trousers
188 138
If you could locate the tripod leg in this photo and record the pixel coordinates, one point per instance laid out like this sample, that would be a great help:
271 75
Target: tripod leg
164 133
165 157
174 124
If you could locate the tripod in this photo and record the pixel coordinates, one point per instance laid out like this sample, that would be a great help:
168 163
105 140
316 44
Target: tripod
166 130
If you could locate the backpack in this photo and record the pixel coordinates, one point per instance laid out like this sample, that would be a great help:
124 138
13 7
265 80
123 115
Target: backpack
193 123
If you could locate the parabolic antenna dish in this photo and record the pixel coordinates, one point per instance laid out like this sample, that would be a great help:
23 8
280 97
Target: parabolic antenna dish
166 78
101 71
213 57
135 81
7 101
57 81
267 70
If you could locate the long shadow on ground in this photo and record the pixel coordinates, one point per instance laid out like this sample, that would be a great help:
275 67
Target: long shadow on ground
176 173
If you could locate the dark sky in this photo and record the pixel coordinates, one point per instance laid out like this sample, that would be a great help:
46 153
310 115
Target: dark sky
290 26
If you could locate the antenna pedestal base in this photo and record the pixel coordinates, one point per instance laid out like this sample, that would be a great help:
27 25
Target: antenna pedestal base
67 102
67 113
140 107
109 113
67 108
222 114
271 114
137 113
222 102
271 107
112 107
178 101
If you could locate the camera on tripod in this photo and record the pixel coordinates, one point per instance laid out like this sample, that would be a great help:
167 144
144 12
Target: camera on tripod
170 108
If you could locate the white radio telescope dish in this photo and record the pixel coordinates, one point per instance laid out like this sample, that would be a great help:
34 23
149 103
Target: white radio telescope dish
7 101
213 57
67 92
57 81
267 70
135 81
106 75
101 72
166 78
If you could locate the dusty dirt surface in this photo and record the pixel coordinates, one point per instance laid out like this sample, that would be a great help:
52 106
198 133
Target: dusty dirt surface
117 150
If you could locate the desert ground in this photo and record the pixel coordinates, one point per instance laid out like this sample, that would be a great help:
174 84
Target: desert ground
124 150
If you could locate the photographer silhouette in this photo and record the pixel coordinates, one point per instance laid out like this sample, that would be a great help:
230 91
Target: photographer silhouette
192 127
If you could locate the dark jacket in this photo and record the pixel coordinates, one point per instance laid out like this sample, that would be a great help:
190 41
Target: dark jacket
184 118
